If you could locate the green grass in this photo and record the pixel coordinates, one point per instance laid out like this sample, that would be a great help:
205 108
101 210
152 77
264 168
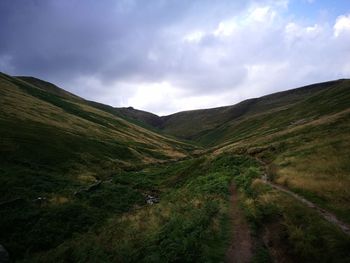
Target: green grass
302 235
113 223
54 144
313 161
256 116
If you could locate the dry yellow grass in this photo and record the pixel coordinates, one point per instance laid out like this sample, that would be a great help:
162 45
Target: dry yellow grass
36 110
311 157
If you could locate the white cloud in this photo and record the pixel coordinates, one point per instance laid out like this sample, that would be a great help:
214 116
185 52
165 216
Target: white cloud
262 14
342 25
225 28
295 32
194 36
152 95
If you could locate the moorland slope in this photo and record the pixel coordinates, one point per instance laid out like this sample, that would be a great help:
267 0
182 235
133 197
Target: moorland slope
77 177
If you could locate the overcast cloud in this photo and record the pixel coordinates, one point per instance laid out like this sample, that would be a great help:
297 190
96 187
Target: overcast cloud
167 56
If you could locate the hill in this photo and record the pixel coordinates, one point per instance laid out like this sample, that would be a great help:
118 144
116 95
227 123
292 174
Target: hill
84 181
304 145
203 125
55 145
29 102
46 128
49 88
148 118
301 134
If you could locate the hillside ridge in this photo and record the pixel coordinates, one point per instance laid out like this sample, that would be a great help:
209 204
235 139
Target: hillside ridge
158 121
72 170
196 124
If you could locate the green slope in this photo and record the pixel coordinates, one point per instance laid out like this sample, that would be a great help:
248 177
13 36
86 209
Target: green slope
305 145
55 144
45 130
213 126
50 88
75 174
302 134
273 113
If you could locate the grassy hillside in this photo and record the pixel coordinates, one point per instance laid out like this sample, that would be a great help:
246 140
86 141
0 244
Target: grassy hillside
212 126
301 134
284 110
55 144
75 176
49 87
142 116
45 128
305 147
189 224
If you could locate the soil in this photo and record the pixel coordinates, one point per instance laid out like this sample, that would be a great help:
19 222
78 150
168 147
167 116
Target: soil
241 246
345 228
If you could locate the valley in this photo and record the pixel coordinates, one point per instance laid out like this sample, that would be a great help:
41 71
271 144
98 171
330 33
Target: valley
76 177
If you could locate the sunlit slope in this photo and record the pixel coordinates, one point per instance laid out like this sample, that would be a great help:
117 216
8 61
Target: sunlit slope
306 146
54 134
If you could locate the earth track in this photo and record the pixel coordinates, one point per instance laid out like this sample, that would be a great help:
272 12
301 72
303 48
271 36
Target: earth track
330 217
241 246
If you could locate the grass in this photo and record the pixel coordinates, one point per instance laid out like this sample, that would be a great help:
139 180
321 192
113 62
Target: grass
310 157
314 163
291 231
113 223
217 125
54 145
78 117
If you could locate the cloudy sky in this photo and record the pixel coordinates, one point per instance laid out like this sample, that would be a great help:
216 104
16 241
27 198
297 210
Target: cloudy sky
166 56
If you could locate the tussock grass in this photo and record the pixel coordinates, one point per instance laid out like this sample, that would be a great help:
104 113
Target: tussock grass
289 230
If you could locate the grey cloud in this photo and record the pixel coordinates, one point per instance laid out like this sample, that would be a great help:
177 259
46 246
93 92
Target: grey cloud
60 39
104 50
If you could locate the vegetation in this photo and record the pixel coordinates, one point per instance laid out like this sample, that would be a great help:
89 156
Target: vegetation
291 231
309 157
76 175
113 223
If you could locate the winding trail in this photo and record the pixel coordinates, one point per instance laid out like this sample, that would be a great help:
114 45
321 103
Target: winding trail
330 217
241 246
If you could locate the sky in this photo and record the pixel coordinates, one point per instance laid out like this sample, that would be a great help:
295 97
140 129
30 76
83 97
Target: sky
166 56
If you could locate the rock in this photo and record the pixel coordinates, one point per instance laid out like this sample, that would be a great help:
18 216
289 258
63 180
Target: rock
151 200
264 177
40 200
4 255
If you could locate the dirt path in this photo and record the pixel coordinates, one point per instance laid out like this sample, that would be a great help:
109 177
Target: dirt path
325 214
330 217
240 250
